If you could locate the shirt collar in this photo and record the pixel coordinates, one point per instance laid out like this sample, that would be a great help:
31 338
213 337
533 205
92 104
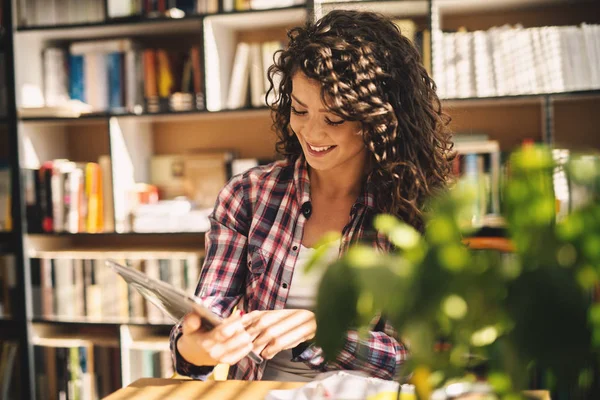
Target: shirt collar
302 183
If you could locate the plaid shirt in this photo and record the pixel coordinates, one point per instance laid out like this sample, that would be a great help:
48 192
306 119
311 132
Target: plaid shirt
251 249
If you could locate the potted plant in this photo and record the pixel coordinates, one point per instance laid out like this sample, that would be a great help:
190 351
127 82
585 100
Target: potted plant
509 313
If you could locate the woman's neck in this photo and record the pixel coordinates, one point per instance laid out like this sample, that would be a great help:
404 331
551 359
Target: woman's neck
337 183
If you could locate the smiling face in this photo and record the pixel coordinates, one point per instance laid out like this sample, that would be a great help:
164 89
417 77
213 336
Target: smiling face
329 143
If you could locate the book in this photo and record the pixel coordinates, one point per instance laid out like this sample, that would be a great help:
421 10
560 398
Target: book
238 84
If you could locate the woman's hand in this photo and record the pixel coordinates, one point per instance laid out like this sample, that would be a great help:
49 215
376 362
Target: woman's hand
277 330
227 343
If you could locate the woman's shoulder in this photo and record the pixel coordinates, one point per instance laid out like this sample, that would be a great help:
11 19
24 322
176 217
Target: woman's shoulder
275 172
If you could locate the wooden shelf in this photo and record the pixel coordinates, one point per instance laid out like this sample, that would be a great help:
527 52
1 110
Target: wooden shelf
153 117
134 26
83 321
117 253
407 8
463 6
196 115
114 234
520 98
75 340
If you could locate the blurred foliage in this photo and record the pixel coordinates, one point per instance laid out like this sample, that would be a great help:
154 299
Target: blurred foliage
507 312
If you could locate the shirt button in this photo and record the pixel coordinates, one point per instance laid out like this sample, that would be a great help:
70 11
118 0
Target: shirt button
285 285
295 248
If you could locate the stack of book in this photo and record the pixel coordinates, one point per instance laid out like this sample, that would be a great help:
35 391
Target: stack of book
249 74
56 12
65 196
74 289
511 60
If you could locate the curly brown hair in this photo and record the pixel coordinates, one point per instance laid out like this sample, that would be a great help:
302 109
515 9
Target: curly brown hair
370 72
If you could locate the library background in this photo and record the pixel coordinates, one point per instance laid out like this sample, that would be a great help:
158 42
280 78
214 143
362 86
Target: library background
120 120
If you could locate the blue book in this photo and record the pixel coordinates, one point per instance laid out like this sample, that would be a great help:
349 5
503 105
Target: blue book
115 81
76 77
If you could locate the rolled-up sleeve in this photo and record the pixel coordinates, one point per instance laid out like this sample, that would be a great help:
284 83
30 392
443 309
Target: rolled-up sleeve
223 274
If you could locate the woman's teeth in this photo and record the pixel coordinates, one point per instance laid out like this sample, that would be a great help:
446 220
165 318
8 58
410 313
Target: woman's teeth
319 148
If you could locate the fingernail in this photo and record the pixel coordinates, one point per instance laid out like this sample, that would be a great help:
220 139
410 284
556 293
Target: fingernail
242 312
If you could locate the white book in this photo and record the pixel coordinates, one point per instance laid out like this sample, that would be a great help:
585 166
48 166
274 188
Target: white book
153 313
483 65
438 61
228 5
584 73
75 177
64 288
79 293
525 77
464 64
119 8
238 84
193 273
552 52
96 81
540 61
500 66
177 273
567 58
450 65
257 82
56 79
591 55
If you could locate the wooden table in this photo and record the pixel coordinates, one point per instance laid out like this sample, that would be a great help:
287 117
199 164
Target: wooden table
185 389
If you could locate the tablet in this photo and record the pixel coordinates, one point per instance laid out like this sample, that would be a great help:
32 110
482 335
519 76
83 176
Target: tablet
174 302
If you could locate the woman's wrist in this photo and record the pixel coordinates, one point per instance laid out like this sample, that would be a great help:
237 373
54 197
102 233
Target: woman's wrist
192 353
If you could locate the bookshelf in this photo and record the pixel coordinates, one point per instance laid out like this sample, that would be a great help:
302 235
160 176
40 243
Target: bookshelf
133 136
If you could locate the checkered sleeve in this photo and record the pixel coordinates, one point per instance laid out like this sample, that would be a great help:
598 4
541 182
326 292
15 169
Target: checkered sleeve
223 274
380 354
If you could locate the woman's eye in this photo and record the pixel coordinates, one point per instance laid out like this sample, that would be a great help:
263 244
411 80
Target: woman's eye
298 112
334 123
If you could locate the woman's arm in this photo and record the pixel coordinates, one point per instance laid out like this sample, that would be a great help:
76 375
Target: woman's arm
223 274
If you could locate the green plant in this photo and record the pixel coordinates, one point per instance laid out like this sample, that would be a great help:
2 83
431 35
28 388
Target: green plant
508 311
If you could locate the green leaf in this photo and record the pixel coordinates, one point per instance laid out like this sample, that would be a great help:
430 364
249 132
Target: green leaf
336 308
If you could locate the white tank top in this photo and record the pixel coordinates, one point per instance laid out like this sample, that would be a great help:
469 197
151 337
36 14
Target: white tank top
303 295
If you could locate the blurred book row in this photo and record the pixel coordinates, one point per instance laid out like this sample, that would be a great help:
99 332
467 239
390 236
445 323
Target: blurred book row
58 12
89 371
8 285
53 12
511 60
86 289
117 76
83 197
84 372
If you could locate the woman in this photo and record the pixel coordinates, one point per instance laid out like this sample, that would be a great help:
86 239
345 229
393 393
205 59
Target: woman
362 132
